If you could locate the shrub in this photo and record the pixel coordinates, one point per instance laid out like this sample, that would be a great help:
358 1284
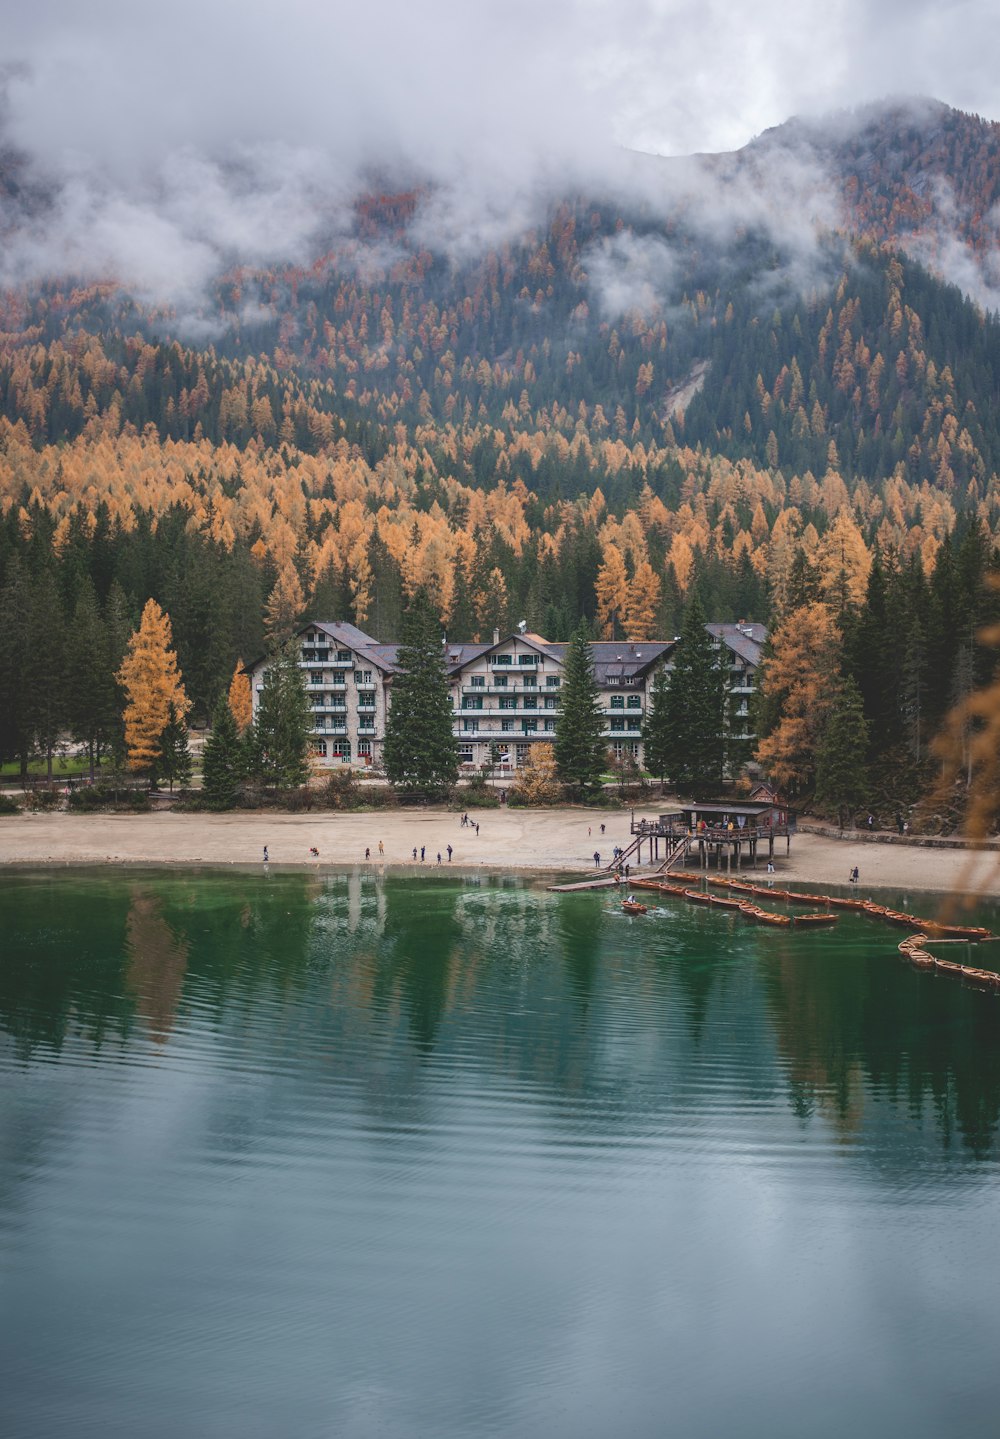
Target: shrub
42 799
101 796
9 805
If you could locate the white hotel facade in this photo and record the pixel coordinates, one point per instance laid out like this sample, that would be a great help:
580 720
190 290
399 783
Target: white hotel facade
505 695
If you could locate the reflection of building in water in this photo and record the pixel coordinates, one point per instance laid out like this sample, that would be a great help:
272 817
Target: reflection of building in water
157 962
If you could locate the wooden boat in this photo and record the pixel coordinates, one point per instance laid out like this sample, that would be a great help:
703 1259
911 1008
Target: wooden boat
986 977
764 916
698 896
954 931
632 906
815 919
720 903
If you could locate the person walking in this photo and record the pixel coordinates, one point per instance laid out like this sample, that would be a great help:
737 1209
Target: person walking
265 854
477 829
871 822
381 849
602 829
597 859
854 875
414 851
449 854
439 856
422 847
368 853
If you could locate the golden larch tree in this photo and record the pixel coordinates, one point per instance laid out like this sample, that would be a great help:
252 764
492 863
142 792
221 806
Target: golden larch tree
643 603
611 588
798 685
152 683
241 698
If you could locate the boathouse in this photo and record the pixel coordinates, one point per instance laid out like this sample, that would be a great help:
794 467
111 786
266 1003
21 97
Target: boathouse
726 835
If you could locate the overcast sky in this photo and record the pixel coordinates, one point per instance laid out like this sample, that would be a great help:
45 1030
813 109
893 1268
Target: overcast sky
129 81
129 106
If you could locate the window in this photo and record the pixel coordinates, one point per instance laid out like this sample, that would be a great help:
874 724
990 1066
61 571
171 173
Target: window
362 677
477 681
550 703
472 702
500 681
617 702
635 702
315 677
523 751
343 655
618 722
364 749
529 682
503 659
506 726
552 682
318 748
508 702
466 754
527 659
470 726
342 747
550 725
529 726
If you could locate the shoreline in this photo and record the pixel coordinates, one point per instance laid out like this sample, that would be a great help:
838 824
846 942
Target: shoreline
522 841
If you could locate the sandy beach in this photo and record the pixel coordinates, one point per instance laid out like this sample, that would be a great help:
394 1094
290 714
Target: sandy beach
539 841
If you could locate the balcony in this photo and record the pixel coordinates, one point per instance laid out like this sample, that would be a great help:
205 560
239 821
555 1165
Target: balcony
365 686
334 707
315 656
366 727
366 706
330 727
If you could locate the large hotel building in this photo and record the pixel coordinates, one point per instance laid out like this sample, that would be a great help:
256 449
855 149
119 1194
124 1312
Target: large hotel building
505 695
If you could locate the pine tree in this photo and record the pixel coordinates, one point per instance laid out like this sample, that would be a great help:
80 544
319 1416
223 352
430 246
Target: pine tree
280 738
92 705
655 730
580 743
152 682
692 733
841 774
420 752
224 759
174 761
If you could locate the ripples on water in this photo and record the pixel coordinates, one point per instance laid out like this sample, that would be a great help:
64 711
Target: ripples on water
344 1155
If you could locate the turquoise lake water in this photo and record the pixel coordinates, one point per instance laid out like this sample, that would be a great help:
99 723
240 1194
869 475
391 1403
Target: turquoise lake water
347 1155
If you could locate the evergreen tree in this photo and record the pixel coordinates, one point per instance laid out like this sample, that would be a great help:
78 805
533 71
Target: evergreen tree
92 704
655 729
15 724
580 743
174 761
841 774
420 750
43 676
224 760
691 736
280 737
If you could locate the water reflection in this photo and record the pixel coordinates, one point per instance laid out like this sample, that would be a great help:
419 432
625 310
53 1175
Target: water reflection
561 991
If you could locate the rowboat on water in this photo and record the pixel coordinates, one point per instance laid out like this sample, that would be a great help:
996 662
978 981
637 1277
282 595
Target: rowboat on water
815 919
698 896
632 906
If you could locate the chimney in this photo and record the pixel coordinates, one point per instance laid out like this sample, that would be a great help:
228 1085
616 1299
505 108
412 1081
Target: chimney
496 637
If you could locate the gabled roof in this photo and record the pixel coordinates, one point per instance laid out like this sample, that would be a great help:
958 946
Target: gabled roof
616 660
745 640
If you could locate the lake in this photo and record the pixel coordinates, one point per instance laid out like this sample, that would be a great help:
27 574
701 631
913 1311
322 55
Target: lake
340 1154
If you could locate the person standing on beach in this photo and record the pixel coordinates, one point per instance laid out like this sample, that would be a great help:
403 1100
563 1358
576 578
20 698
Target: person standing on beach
477 829
265 854
439 856
368 853
597 859
422 847
449 854
381 849
414 852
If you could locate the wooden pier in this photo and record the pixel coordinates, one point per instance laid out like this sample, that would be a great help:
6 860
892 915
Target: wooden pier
715 836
